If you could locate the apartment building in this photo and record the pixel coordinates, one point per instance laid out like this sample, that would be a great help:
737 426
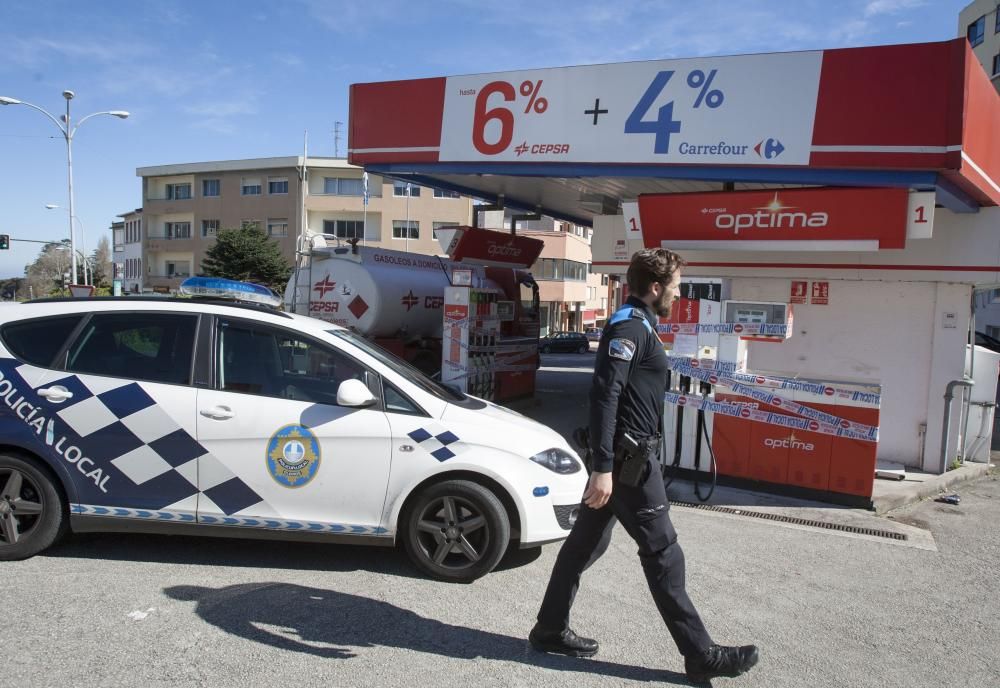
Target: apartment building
572 297
127 243
185 205
979 21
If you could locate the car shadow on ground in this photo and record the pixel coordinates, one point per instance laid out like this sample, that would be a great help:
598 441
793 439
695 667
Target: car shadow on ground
257 554
336 625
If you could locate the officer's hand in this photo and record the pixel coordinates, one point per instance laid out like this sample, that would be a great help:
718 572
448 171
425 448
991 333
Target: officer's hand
598 490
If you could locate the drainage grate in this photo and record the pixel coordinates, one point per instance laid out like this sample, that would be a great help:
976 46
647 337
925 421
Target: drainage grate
797 521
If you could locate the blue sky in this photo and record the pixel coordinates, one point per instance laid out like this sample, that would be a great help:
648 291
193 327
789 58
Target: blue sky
226 80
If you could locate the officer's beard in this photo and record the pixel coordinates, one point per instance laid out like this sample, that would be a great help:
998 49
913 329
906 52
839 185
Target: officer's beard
663 304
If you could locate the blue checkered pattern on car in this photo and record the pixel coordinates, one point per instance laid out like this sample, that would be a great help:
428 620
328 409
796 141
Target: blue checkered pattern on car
119 426
442 446
242 521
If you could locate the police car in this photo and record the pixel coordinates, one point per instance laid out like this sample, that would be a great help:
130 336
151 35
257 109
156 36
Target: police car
211 416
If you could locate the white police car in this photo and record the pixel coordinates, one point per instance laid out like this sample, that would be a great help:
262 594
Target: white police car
212 417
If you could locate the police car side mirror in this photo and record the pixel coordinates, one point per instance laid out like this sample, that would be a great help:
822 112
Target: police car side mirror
355 394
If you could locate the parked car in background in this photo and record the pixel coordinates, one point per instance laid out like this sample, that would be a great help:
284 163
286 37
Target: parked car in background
593 334
564 342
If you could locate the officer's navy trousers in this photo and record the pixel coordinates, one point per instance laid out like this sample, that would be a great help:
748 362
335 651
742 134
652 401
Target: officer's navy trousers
644 511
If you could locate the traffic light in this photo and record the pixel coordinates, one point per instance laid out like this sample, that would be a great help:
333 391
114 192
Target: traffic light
4 242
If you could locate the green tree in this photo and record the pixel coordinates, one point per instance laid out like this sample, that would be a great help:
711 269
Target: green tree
49 273
247 254
100 264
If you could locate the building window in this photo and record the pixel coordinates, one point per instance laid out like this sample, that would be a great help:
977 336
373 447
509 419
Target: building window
209 187
250 187
400 227
399 189
277 227
344 229
441 193
343 186
996 58
559 269
209 228
178 192
977 31
277 185
249 224
178 268
177 230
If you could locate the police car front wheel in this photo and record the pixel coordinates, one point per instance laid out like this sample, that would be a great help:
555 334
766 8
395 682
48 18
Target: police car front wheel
31 512
456 531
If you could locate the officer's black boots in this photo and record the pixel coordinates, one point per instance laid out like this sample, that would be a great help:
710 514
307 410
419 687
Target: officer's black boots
562 642
720 661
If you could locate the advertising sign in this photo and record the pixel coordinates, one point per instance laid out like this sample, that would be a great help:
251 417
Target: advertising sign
832 219
691 111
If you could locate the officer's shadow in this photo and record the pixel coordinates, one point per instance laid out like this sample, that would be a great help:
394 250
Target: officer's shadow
334 625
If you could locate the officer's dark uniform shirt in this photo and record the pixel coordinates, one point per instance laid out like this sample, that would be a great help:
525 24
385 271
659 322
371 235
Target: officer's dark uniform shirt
630 378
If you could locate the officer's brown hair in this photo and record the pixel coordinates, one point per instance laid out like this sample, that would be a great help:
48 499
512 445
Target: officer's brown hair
652 265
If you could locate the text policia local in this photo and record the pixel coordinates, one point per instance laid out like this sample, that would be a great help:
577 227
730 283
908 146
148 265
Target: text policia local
31 414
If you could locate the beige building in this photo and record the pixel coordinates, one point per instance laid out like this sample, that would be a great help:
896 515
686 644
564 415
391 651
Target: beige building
980 22
572 297
185 205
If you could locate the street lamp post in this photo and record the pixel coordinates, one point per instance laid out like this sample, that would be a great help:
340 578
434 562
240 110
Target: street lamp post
81 252
68 131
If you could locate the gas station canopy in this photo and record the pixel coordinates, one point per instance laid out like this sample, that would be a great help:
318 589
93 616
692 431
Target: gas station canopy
574 142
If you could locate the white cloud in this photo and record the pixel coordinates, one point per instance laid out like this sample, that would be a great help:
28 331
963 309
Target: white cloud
877 7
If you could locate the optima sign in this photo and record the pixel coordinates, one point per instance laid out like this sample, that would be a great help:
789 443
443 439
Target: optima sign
785 219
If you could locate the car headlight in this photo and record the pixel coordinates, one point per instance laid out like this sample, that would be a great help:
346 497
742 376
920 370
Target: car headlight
557 461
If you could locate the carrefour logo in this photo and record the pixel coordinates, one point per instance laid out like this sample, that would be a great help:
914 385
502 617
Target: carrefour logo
769 149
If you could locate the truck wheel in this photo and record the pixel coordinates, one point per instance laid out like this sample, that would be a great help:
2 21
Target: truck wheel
31 510
456 531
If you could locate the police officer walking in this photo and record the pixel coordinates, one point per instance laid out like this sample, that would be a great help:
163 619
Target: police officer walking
626 410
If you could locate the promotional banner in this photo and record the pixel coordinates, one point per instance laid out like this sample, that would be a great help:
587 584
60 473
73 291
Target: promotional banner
691 111
833 219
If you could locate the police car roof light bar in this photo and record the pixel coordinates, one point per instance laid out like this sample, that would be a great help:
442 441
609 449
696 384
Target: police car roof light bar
220 288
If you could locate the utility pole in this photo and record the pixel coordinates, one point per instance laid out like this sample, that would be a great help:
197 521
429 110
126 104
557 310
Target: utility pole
336 138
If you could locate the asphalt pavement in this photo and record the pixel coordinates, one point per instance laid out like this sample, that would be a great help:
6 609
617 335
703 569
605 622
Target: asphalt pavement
826 610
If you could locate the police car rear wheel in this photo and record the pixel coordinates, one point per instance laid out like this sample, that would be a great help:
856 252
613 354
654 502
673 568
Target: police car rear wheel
456 531
31 514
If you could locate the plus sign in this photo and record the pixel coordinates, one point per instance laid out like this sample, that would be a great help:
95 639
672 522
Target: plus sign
597 111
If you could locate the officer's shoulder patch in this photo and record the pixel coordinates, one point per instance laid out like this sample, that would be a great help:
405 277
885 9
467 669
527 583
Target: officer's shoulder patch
621 348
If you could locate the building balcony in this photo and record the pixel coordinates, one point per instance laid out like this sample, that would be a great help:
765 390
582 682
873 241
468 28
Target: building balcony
166 206
164 282
156 244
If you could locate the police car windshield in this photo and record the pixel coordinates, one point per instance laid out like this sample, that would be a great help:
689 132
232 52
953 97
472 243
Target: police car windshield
400 366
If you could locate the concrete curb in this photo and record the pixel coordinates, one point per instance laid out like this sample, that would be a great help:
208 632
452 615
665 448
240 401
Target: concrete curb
931 487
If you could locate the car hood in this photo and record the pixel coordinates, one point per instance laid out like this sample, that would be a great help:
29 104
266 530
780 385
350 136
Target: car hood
501 428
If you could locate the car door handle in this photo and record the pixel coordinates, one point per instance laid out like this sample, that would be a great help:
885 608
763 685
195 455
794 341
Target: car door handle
56 394
218 413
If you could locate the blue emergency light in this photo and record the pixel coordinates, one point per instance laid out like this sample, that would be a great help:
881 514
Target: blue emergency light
220 288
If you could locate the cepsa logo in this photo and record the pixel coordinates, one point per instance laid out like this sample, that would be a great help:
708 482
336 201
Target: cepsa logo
774 215
324 307
541 148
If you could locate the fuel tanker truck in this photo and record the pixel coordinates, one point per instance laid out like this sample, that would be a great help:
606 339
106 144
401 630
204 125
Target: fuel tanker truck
401 301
